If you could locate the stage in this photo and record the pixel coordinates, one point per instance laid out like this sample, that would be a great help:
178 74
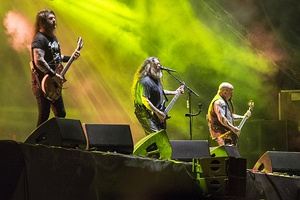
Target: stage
47 172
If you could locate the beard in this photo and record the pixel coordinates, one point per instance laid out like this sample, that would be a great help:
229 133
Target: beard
157 74
50 27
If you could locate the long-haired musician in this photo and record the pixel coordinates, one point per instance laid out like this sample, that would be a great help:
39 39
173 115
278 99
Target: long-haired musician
45 58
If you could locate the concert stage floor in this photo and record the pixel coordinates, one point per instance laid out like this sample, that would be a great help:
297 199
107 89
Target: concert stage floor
41 172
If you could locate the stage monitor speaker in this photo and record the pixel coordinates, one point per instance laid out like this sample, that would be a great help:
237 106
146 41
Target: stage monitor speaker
280 162
155 145
109 137
60 132
225 150
187 150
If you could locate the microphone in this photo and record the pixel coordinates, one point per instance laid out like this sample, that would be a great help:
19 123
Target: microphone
167 69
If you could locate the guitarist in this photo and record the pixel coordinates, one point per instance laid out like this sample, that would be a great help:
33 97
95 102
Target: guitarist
221 116
45 58
148 95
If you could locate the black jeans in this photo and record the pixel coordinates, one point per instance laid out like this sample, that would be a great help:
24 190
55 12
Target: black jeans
45 104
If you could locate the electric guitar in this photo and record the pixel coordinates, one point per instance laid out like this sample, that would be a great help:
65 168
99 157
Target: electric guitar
240 126
166 110
50 88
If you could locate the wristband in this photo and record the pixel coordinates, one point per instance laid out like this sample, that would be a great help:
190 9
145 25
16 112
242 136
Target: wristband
51 73
66 58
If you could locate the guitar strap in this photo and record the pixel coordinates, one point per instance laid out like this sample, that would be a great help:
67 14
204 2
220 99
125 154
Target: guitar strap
35 73
165 96
33 70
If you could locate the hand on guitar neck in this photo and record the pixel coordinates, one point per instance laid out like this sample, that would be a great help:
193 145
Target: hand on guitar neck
180 89
248 114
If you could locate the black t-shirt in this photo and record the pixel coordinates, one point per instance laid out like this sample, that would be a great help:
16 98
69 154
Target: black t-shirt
50 46
152 90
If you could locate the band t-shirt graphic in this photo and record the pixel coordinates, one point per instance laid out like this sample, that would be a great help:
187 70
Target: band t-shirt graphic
51 47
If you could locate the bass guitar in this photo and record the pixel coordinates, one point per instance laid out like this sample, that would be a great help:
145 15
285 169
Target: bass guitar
166 110
232 136
50 88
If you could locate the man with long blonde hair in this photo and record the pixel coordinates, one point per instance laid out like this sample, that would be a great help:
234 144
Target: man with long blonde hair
148 95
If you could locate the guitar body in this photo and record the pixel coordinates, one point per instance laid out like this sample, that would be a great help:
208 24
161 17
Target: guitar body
232 137
50 88
162 125
165 109
229 135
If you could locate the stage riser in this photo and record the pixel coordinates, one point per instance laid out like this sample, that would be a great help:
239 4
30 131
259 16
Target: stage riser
59 173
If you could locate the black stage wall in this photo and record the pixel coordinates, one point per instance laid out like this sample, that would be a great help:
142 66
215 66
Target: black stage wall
35 172
38 172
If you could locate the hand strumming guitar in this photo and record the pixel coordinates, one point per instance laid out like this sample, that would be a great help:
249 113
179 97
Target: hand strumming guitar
59 80
237 131
161 116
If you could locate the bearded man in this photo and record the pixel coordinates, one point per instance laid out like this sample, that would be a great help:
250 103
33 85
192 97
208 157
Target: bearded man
45 58
148 95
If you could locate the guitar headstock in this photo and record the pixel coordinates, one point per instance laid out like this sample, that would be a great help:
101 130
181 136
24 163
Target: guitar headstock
251 105
79 43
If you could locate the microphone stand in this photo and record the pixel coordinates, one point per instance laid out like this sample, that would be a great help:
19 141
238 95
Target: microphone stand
190 115
189 104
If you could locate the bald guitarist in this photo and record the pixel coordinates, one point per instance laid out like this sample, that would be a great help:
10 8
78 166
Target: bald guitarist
221 117
46 58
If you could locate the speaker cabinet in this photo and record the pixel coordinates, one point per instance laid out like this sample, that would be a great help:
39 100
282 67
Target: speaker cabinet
155 145
281 162
224 186
223 166
223 176
60 132
187 150
289 105
109 137
267 135
259 136
225 151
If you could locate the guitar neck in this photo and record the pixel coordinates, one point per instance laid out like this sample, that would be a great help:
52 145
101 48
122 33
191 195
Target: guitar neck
67 66
240 126
70 61
168 108
251 105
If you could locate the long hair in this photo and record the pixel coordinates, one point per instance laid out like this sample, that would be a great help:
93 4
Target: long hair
41 19
141 72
